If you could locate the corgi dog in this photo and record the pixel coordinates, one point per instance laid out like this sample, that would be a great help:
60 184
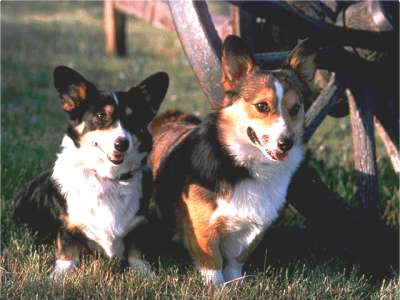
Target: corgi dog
221 183
97 193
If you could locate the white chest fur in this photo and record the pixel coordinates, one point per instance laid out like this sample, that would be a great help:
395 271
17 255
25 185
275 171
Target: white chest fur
255 203
104 209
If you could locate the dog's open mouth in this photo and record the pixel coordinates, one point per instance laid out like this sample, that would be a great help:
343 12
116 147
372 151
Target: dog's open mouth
277 155
116 157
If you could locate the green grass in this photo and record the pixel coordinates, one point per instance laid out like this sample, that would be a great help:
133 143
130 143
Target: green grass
38 36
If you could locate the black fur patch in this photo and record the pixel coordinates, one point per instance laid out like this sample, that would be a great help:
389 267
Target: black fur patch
74 136
201 159
147 185
253 136
213 166
40 205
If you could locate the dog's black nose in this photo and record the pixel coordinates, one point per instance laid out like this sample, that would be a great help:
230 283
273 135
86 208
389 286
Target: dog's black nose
121 144
285 143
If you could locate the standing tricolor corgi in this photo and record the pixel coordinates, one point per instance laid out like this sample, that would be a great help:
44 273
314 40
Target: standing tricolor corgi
223 182
96 194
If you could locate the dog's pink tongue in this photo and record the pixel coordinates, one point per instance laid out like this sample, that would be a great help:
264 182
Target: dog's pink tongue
281 155
117 157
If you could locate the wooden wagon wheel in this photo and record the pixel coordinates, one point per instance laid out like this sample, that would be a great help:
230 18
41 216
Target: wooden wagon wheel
323 207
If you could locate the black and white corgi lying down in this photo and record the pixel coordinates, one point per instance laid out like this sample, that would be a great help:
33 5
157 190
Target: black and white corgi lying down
98 190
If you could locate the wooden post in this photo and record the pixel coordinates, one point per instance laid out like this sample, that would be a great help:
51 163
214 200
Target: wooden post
114 29
235 19
322 105
109 26
391 148
362 123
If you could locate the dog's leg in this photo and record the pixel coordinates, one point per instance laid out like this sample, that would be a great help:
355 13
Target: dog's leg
67 252
136 261
207 257
232 269
203 245
236 248
231 248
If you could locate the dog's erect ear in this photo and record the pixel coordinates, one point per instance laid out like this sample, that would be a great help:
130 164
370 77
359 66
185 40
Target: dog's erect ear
73 88
151 92
237 62
302 60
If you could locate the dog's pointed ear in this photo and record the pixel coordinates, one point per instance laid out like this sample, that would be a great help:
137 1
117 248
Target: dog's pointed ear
73 88
151 92
302 60
236 62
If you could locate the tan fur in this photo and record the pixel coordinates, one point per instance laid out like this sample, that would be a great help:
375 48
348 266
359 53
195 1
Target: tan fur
170 118
165 142
69 103
168 130
81 90
70 226
201 237
69 251
303 60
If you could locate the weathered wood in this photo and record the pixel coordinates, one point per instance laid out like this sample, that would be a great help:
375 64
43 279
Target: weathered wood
391 148
341 107
304 26
387 108
321 106
356 70
362 123
153 12
235 19
109 26
114 29
201 44
360 16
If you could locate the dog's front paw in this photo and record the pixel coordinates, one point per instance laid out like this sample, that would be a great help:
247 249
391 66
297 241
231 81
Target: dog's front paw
141 266
213 277
232 270
61 268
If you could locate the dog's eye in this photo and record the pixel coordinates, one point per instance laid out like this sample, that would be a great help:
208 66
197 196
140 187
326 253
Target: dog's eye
101 116
262 107
294 110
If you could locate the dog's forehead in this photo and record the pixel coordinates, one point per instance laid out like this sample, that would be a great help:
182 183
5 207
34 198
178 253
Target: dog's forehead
120 99
288 79
108 98
102 103
260 85
270 85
